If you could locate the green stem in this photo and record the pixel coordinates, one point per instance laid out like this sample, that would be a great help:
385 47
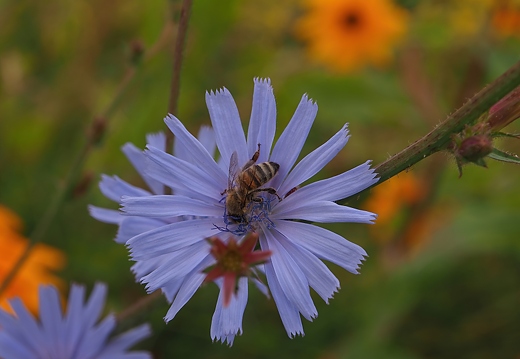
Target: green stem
59 198
151 300
440 136
178 52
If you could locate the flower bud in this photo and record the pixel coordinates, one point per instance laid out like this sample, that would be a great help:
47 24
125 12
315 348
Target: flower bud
475 148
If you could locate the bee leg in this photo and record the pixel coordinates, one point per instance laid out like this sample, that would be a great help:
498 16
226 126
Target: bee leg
253 159
269 190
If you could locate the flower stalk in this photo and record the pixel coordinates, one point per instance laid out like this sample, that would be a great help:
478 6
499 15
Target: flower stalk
440 137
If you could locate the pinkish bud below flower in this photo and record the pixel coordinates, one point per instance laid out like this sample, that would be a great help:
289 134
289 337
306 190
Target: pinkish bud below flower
475 148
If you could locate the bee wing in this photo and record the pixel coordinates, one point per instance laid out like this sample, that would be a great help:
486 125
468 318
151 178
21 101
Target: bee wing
233 169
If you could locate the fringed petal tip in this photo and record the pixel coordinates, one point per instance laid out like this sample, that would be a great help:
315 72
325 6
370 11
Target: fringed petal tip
309 100
294 334
262 81
219 92
227 339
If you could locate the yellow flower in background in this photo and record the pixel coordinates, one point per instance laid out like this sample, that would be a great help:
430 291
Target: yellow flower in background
35 271
348 34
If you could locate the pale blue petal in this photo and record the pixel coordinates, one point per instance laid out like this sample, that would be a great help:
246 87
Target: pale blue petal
97 337
184 176
338 187
157 140
170 238
124 341
105 215
290 143
74 315
292 280
227 321
77 335
322 211
315 161
324 244
227 125
138 160
176 265
190 285
29 334
171 288
169 206
114 188
94 305
262 125
51 320
198 155
132 226
320 277
288 313
206 136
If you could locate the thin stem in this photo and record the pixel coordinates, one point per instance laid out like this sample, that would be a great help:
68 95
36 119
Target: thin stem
440 136
96 126
128 316
178 52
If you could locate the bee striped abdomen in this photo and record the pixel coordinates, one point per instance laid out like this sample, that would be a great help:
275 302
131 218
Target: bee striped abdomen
257 175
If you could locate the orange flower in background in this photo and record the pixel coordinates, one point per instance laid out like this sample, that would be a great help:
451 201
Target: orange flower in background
35 271
347 34
506 20
390 201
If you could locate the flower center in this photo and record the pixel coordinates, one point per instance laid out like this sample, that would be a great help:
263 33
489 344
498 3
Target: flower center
232 261
351 20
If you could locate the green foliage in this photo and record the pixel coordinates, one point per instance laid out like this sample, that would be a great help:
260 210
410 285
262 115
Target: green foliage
61 65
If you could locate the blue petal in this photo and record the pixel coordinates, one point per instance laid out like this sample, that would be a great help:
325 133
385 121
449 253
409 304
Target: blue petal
338 187
114 188
157 140
170 238
51 321
206 136
25 331
198 155
324 244
292 280
176 265
262 125
290 143
320 277
138 160
169 206
190 285
227 125
125 341
321 211
315 161
227 321
132 226
184 176
105 215
97 336
288 313
74 332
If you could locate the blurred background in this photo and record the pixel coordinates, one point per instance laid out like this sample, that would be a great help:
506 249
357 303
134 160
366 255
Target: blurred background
443 276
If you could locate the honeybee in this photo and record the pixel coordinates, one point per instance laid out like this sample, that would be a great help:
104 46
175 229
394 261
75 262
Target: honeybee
244 185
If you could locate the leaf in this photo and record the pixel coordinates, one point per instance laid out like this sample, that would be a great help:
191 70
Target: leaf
504 156
503 134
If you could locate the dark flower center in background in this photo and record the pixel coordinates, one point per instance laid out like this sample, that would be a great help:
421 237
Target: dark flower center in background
351 20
